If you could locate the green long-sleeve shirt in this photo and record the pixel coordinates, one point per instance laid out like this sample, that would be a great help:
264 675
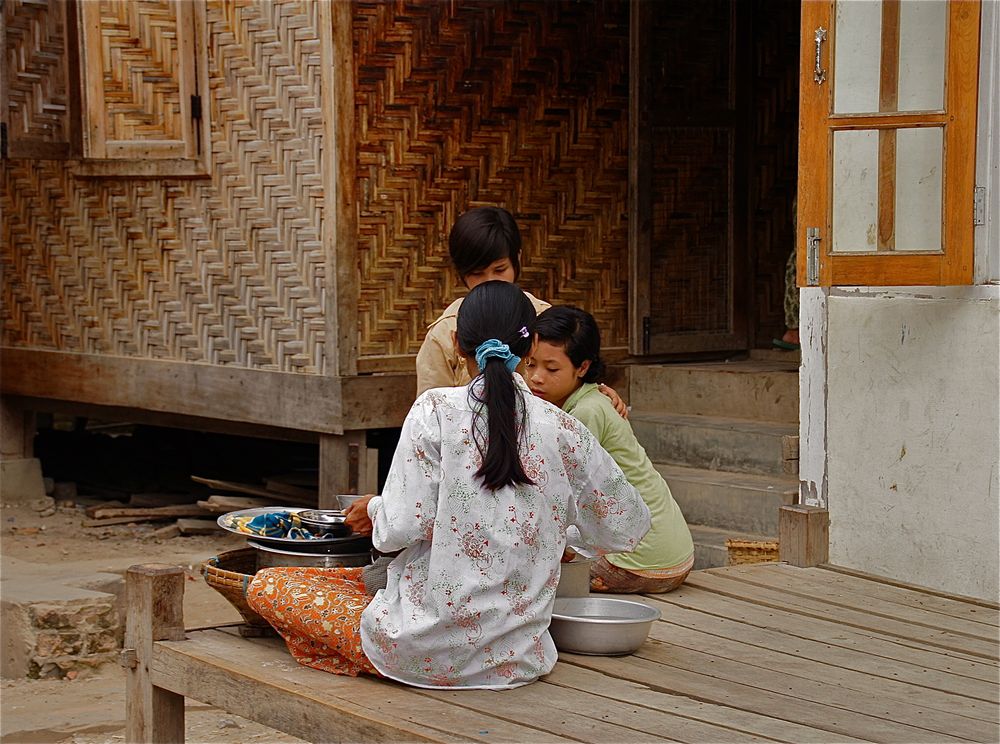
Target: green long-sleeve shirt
668 541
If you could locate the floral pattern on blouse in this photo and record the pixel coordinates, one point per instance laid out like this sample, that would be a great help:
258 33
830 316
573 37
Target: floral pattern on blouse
469 599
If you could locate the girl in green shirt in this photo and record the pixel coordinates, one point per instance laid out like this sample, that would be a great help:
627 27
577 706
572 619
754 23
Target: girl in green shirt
563 368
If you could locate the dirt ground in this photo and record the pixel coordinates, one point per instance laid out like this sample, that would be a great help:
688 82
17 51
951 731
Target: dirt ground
90 708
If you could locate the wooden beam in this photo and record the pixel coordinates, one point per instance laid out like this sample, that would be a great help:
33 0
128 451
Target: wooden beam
154 601
803 535
275 400
888 102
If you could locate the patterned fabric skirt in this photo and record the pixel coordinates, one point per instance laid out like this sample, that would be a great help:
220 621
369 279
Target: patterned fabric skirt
318 613
607 577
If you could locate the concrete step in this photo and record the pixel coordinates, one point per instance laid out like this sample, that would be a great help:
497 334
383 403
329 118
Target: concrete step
777 355
710 545
713 443
752 389
733 501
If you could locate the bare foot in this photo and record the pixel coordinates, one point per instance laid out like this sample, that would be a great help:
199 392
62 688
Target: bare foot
791 336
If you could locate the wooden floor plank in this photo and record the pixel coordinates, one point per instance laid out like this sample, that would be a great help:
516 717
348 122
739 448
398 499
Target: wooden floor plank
751 667
215 667
554 710
970 610
776 662
857 618
727 724
991 604
827 631
789 640
803 583
748 697
586 717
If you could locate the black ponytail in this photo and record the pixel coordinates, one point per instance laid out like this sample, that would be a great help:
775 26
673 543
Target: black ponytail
501 311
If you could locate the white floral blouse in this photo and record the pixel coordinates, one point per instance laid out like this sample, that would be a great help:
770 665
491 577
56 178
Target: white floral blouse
469 600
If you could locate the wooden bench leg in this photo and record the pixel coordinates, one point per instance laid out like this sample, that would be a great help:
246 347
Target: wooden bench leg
154 600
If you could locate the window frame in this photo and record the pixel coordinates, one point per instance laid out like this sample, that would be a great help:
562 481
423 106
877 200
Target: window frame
817 124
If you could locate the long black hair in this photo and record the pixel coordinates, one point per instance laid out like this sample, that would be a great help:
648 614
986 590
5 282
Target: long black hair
497 310
576 331
484 235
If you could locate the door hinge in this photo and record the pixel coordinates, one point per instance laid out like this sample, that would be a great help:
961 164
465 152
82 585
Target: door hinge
3 140
979 205
645 335
812 256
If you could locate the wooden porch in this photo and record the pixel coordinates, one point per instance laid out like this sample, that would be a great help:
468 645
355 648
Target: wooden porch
767 652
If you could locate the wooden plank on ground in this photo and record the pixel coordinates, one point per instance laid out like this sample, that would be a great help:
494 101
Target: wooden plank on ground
800 582
198 526
699 721
749 697
858 618
790 640
218 504
831 632
258 679
915 703
253 490
157 512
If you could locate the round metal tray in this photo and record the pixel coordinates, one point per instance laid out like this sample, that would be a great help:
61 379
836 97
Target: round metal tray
269 556
328 545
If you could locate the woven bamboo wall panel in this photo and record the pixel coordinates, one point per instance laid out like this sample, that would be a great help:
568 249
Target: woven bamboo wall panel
519 104
228 270
140 69
35 63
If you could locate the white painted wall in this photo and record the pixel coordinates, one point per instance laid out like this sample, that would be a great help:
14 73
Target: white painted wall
913 435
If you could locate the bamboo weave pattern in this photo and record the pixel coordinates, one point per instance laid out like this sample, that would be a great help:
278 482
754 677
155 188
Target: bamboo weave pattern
518 104
35 67
228 270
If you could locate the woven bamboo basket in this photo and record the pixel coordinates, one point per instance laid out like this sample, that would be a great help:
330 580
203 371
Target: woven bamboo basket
751 551
229 574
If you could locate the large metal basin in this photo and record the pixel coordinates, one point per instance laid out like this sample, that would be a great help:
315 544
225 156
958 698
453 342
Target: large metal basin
600 626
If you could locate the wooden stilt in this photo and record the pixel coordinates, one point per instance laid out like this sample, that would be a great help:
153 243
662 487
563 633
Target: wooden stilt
804 535
154 597
344 467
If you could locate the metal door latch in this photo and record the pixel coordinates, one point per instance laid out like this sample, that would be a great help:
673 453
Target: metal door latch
819 74
812 256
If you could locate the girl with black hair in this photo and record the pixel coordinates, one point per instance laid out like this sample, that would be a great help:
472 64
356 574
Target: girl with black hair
484 245
563 369
483 486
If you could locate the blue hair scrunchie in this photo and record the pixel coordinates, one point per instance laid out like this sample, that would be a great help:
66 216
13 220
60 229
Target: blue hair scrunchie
493 348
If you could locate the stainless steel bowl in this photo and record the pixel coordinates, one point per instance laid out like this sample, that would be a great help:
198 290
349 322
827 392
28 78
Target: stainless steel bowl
324 522
269 557
600 626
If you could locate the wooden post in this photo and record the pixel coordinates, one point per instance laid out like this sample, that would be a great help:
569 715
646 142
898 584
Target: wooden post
803 535
154 602
344 467
17 431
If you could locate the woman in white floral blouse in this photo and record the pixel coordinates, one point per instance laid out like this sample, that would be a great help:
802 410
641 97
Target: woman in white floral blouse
483 485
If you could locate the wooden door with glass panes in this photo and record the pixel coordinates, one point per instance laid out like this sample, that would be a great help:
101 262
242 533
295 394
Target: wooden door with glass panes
887 142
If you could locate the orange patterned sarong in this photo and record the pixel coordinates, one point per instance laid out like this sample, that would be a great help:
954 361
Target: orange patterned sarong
318 613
